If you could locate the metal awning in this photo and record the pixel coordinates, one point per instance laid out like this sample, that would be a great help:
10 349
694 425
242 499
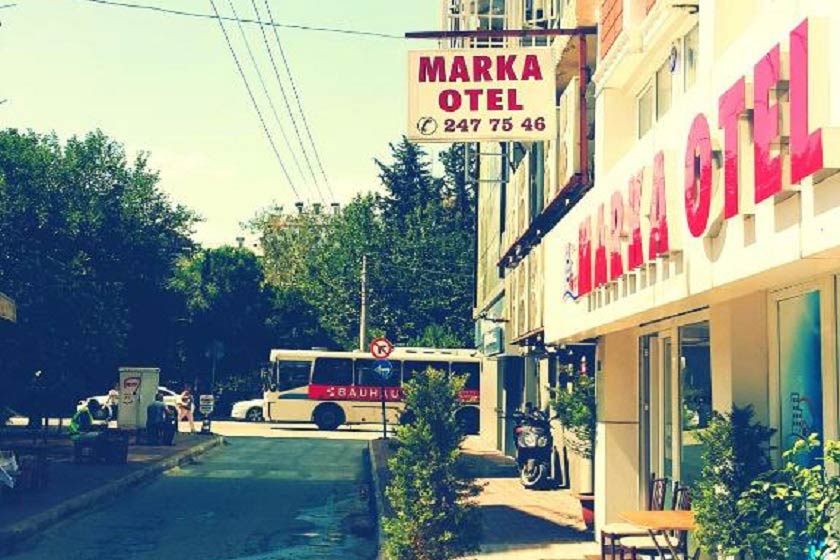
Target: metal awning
8 309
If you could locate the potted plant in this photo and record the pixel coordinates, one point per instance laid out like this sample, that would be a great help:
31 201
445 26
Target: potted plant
734 453
575 407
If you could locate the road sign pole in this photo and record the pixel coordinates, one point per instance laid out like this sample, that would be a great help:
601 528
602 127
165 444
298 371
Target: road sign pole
384 416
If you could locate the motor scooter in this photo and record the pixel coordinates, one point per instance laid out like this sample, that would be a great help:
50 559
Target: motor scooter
534 448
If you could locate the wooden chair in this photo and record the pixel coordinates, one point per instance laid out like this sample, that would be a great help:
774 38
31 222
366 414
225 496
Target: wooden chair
646 547
612 533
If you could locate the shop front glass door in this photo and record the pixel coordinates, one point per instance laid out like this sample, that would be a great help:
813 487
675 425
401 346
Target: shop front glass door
695 393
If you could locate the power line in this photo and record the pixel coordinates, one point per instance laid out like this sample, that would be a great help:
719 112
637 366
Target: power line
297 97
253 99
285 97
250 21
265 88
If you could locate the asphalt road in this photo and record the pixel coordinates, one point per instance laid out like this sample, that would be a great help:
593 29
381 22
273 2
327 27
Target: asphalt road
257 498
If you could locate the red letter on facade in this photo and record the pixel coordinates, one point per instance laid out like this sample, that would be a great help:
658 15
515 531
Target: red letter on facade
532 69
731 106
635 253
481 69
459 71
806 150
768 169
449 100
698 176
658 244
616 229
601 249
585 257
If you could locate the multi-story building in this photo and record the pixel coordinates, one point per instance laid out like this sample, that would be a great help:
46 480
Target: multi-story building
523 189
705 259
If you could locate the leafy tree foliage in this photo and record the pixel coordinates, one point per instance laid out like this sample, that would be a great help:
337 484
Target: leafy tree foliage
418 237
434 517
87 245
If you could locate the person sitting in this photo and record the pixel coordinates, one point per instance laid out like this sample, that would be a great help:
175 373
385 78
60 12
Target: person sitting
156 421
84 433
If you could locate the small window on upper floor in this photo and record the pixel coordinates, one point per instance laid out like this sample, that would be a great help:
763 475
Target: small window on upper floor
645 109
691 48
664 85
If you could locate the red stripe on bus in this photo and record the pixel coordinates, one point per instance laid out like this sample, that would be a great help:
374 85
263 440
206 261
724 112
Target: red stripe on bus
371 393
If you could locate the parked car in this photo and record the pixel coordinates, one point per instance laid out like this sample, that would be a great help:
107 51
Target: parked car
251 410
170 399
225 399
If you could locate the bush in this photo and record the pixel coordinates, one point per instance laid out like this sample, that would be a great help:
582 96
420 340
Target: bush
794 509
735 454
433 515
576 409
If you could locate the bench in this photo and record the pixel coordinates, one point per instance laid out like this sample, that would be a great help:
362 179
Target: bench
109 446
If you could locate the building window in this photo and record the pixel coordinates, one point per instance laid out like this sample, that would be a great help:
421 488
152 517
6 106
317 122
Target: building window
664 87
541 14
691 49
645 110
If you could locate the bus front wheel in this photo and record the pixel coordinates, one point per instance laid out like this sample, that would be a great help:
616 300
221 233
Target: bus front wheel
328 417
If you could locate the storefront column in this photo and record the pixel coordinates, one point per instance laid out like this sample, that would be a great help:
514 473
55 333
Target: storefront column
488 410
617 445
739 353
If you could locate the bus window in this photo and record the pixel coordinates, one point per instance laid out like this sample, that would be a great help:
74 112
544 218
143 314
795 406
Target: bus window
292 374
366 376
333 371
413 367
470 369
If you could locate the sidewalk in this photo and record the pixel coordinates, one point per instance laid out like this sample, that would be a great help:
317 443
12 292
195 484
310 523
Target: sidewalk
73 487
518 524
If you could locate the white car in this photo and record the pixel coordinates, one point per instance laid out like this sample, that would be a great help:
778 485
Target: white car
251 410
170 398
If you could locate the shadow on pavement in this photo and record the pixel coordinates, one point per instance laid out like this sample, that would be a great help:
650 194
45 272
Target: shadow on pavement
510 526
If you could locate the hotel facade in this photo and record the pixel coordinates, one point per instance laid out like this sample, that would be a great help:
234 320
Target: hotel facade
684 227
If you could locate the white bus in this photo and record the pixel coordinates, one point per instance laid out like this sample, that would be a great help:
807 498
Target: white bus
332 389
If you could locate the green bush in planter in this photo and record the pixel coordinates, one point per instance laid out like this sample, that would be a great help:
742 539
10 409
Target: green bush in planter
576 408
793 510
735 453
433 516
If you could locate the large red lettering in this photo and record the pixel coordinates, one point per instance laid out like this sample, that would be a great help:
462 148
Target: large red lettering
585 257
532 70
658 243
616 229
504 67
432 69
481 69
698 176
635 253
473 95
806 149
731 105
459 72
768 168
600 249
449 100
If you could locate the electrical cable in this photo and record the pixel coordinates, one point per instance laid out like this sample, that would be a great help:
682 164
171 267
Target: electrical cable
254 100
265 91
297 96
250 21
286 98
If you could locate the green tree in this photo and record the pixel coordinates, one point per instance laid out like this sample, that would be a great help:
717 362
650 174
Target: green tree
87 245
433 515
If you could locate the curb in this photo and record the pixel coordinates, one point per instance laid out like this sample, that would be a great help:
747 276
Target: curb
378 493
22 530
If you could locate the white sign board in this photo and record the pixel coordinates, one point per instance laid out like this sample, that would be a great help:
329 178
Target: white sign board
138 387
206 403
473 95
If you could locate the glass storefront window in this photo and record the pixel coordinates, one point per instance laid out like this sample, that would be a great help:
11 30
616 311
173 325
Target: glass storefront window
645 110
695 395
691 50
664 83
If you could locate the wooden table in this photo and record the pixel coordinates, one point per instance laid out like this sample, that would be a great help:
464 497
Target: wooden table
658 522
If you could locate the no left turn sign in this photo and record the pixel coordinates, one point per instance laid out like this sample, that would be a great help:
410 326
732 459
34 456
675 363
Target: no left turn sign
381 348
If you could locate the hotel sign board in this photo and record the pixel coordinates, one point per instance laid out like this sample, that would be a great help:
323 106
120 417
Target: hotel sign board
8 309
472 95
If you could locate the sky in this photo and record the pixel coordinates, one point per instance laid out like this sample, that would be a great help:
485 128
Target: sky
167 85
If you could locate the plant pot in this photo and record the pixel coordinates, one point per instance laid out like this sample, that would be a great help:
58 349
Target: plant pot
587 509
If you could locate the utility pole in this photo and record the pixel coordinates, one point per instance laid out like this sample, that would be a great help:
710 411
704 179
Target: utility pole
363 313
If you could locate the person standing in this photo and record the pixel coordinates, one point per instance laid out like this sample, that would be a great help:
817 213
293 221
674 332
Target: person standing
113 400
185 407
